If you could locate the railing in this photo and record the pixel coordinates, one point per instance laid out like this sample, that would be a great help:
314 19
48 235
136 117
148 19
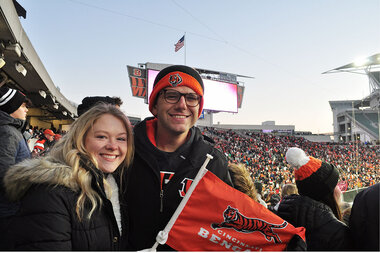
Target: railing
349 195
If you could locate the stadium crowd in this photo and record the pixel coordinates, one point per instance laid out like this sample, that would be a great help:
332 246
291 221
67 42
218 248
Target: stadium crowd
69 194
264 156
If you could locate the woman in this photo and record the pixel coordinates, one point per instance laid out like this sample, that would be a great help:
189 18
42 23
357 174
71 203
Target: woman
70 198
315 208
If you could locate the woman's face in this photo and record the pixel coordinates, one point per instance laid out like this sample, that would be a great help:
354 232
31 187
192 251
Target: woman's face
107 142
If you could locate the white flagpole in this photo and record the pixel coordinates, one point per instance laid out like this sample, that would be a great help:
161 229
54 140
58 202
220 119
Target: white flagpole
185 46
162 236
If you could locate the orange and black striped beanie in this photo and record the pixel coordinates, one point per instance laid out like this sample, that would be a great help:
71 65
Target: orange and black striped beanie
177 75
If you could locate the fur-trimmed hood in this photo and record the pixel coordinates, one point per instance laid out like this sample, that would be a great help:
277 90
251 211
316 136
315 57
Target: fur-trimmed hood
21 176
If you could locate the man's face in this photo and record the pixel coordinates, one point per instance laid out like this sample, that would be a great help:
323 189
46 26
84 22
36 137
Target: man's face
178 118
49 137
21 112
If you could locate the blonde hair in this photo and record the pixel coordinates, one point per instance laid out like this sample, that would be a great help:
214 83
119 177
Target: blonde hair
289 189
71 148
242 180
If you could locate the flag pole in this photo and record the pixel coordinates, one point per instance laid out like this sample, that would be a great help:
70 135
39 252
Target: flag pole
162 236
185 46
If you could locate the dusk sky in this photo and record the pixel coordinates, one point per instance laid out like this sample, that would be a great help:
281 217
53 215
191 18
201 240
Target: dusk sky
286 45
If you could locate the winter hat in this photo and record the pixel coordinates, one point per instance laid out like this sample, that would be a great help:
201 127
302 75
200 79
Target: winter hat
49 132
89 102
177 75
314 178
10 99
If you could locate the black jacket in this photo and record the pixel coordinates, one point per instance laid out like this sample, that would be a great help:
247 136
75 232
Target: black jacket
13 149
364 219
150 208
323 230
47 219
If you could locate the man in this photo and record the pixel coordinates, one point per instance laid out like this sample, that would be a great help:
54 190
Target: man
13 112
44 143
13 148
169 152
364 219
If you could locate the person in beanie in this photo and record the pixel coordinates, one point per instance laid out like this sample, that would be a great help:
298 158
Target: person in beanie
315 208
169 153
13 148
44 143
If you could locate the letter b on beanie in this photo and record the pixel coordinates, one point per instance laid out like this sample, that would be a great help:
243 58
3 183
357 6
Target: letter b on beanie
174 76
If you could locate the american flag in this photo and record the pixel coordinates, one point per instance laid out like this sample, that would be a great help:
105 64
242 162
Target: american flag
180 43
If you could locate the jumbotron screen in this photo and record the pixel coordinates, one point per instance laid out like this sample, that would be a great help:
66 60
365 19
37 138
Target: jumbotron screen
218 96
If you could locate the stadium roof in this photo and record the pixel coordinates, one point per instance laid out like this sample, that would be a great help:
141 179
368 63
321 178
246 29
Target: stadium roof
367 64
23 68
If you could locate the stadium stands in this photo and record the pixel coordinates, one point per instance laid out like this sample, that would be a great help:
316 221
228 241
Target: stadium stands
264 156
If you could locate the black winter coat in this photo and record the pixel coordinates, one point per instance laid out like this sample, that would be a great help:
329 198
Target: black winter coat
150 206
47 219
364 219
323 230
13 149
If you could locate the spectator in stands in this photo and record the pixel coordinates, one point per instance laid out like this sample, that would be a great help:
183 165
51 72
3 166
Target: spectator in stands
259 190
89 102
288 189
57 137
242 181
13 148
315 208
273 200
364 219
70 197
44 143
169 152
264 155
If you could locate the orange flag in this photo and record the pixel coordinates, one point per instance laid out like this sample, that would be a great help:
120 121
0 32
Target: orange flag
218 217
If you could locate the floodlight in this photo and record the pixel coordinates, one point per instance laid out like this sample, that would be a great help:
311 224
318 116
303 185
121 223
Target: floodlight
15 48
42 93
56 106
64 113
2 62
20 68
361 62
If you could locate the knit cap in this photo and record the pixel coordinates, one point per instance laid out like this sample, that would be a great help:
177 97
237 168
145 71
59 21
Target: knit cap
89 102
10 99
314 178
174 76
49 132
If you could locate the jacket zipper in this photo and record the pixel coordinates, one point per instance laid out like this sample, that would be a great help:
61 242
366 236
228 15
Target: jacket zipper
162 200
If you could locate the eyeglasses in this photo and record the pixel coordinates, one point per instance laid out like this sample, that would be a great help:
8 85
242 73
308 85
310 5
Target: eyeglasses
173 96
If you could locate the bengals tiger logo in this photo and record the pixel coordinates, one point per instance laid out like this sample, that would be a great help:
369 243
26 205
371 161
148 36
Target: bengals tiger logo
235 220
174 80
186 182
